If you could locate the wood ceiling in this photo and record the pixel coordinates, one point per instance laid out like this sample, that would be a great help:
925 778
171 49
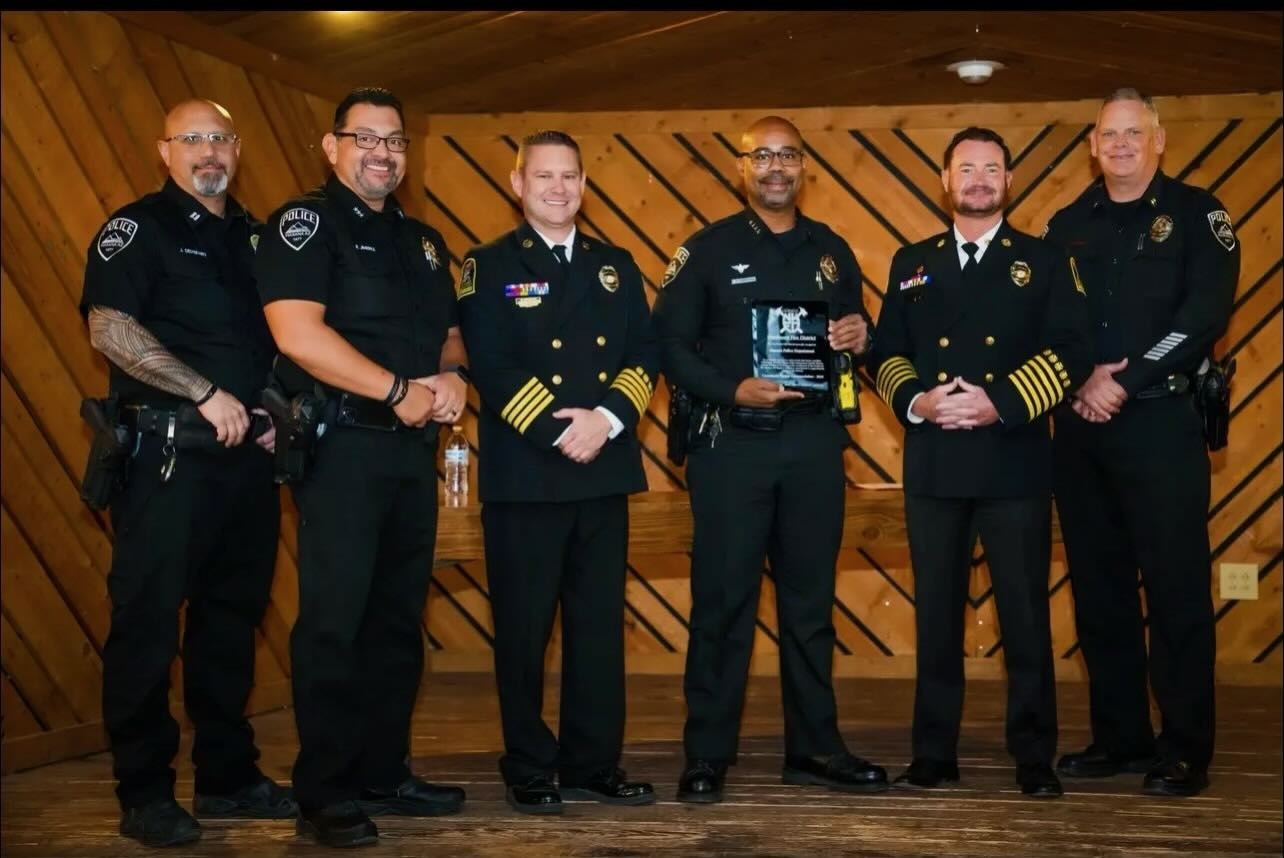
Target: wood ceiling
498 62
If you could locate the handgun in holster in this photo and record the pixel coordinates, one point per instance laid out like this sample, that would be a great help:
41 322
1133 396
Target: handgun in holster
1212 401
679 426
108 467
297 405
844 388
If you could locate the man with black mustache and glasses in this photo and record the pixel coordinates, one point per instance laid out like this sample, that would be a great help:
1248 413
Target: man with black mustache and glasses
765 469
983 330
359 296
170 300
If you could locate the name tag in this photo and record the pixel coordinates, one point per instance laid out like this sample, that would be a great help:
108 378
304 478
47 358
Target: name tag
525 290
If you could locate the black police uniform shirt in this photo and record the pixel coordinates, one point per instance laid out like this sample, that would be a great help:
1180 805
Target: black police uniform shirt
1160 273
1018 327
703 311
187 276
541 338
383 276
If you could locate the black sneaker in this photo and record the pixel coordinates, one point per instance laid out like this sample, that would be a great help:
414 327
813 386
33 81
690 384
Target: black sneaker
340 825
160 823
263 799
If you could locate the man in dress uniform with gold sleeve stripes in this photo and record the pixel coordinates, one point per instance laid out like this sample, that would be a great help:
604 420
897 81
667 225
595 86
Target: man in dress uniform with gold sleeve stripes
564 358
983 331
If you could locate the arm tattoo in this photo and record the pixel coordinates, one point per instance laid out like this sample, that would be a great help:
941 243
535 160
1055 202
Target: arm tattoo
132 347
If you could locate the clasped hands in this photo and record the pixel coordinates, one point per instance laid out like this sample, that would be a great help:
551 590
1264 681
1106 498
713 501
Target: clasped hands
956 404
437 398
1101 397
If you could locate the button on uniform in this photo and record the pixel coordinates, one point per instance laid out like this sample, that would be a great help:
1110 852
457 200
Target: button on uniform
943 342
942 375
557 344
557 379
601 340
602 376
989 341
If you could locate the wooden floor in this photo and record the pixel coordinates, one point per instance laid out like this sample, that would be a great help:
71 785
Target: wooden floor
68 809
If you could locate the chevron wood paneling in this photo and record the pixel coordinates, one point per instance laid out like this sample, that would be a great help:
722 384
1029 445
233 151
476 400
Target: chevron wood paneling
83 97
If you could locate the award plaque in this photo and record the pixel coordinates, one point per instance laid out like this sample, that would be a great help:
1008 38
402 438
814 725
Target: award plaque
791 343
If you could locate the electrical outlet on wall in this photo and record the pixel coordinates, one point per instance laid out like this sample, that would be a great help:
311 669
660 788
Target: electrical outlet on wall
1239 581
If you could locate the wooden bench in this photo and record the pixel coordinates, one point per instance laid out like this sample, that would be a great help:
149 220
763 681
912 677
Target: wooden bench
660 523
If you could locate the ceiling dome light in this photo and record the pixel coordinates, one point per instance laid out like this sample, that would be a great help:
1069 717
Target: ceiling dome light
975 71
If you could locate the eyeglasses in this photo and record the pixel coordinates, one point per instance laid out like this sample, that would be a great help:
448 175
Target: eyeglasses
371 141
761 158
196 138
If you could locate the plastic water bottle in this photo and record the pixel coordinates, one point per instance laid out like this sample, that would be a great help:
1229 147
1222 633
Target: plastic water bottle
456 468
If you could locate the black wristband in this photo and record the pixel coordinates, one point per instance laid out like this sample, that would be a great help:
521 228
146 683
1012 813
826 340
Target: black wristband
209 394
460 370
400 387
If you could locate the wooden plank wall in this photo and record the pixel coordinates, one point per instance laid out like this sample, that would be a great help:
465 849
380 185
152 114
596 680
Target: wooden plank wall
84 95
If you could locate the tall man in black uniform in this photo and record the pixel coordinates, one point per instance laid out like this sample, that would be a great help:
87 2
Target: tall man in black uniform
1160 260
359 295
170 300
778 494
563 357
982 332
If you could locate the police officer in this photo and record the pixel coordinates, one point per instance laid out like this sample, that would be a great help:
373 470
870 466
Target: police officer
358 294
776 493
1160 260
564 358
982 332
170 300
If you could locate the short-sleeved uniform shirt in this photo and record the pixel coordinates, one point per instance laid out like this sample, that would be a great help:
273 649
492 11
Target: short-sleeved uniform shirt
187 276
383 276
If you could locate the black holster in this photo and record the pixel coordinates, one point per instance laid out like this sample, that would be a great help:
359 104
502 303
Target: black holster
299 419
1212 401
679 426
108 467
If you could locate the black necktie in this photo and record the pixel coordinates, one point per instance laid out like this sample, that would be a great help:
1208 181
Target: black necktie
559 250
970 248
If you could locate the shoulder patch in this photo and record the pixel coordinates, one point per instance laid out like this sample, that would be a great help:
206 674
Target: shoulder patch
298 225
117 235
1220 223
679 259
467 279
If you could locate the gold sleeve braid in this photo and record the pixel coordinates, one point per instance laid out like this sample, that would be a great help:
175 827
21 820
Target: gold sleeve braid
1042 382
636 386
894 372
527 404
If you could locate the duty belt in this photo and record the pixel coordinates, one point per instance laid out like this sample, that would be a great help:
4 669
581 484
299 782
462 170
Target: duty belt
1176 384
769 419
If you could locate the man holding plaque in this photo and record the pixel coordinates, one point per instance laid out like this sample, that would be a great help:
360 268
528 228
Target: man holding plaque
755 312
983 330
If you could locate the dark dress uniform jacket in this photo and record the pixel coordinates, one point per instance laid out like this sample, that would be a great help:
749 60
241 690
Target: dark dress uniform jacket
1161 288
1018 327
187 276
539 340
703 309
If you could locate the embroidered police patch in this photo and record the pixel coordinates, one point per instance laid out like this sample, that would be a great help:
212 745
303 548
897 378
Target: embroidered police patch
1220 223
116 236
679 259
467 279
297 227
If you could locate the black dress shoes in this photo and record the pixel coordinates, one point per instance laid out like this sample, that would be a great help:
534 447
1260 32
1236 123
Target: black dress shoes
1096 761
160 823
341 824
1178 778
609 786
537 795
843 772
1037 780
923 773
263 799
413 797
701 782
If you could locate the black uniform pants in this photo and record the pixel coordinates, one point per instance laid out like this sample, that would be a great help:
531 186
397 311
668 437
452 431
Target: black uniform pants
207 536
1017 536
1133 494
778 495
367 525
540 555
